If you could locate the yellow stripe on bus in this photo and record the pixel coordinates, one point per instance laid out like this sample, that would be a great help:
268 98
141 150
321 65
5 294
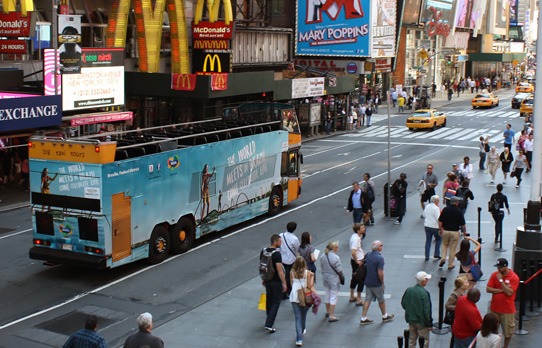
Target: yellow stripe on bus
72 152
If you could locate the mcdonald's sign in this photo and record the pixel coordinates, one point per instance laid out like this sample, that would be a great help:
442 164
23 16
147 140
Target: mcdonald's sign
207 63
183 82
211 44
213 29
219 82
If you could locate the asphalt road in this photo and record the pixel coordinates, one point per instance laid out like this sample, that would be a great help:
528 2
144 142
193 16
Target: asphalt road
34 294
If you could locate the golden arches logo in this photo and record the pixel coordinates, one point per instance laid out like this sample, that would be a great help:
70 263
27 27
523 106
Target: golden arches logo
212 59
26 6
220 81
213 6
185 81
211 44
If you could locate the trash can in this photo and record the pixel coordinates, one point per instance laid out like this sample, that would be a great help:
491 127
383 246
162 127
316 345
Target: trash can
392 202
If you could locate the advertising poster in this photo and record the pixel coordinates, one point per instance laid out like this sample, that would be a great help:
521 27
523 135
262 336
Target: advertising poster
69 40
383 24
333 28
498 9
469 13
441 11
100 83
411 11
514 18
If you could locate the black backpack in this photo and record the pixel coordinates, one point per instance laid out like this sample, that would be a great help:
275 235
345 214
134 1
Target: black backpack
494 205
267 268
370 194
462 193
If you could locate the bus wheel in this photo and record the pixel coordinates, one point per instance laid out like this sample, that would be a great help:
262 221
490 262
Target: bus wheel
275 202
182 236
158 245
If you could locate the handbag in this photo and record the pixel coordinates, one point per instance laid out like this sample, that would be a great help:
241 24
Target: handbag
449 317
262 304
304 296
475 269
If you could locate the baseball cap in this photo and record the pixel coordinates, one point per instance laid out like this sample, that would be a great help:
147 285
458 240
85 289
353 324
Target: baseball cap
502 262
455 199
422 276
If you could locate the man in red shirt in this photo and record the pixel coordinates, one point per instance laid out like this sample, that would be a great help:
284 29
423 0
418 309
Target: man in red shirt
468 319
503 284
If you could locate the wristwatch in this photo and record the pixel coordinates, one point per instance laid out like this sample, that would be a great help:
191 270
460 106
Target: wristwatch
500 280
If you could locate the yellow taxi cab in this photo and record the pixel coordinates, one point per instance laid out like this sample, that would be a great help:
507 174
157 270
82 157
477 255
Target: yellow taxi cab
426 118
526 106
525 87
485 99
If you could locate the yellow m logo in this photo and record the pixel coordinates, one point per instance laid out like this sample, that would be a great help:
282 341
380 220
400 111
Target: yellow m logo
185 81
212 59
213 6
26 5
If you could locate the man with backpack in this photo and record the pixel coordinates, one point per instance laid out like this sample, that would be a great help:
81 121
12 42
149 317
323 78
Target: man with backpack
368 114
497 203
274 280
288 252
465 194
368 188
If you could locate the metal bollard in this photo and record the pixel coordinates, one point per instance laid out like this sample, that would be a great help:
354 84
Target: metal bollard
539 290
406 334
520 330
532 288
479 224
437 328
400 341
421 342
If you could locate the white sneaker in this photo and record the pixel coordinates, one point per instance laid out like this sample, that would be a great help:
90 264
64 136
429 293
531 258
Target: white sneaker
504 182
299 343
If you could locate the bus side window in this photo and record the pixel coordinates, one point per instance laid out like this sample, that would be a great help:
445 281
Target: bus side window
293 167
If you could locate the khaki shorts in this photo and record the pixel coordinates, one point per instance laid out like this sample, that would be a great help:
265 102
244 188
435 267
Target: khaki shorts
508 323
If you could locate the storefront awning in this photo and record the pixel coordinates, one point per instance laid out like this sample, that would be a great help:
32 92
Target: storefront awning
495 57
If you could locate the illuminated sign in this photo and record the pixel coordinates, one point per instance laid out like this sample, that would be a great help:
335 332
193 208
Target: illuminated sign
208 30
69 37
207 63
15 24
102 118
13 46
183 82
26 6
211 44
49 73
213 7
331 65
100 83
333 28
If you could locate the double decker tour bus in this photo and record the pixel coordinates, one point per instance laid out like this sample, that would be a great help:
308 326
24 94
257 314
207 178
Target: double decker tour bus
104 203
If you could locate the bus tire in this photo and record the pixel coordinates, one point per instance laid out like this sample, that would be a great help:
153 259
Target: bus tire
275 201
159 245
182 236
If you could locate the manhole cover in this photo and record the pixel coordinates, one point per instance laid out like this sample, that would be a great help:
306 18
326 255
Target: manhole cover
71 322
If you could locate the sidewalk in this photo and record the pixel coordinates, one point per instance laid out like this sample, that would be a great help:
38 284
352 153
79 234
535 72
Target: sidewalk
232 319
14 198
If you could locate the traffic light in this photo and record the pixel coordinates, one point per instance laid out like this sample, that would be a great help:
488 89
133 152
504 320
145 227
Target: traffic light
448 59
455 60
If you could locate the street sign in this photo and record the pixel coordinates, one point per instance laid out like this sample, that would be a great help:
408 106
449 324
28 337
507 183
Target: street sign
422 54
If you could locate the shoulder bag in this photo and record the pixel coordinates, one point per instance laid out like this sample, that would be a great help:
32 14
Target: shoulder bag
361 271
286 240
341 276
475 269
304 296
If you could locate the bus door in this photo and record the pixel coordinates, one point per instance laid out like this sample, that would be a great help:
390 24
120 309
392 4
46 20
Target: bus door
122 226
290 162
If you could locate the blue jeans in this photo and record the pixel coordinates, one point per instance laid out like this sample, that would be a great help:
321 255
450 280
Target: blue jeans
481 165
429 234
464 343
300 318
358 215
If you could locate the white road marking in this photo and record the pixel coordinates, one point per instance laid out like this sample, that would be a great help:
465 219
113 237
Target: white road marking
444 134
458 134
330 149
15 233
432 134
474 133
403 143
129 276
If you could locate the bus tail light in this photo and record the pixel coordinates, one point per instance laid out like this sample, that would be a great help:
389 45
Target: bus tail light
94 250
97 149
42 242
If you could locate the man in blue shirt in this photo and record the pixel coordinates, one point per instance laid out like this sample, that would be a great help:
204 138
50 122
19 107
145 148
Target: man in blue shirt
508 136
86 338
354 204
374 283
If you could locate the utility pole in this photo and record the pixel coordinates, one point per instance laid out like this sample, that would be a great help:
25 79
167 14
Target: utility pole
533 206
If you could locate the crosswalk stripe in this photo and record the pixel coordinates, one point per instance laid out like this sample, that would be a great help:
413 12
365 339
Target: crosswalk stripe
458 134
449 131
510 114
486 134
431 134
475 132
393 132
